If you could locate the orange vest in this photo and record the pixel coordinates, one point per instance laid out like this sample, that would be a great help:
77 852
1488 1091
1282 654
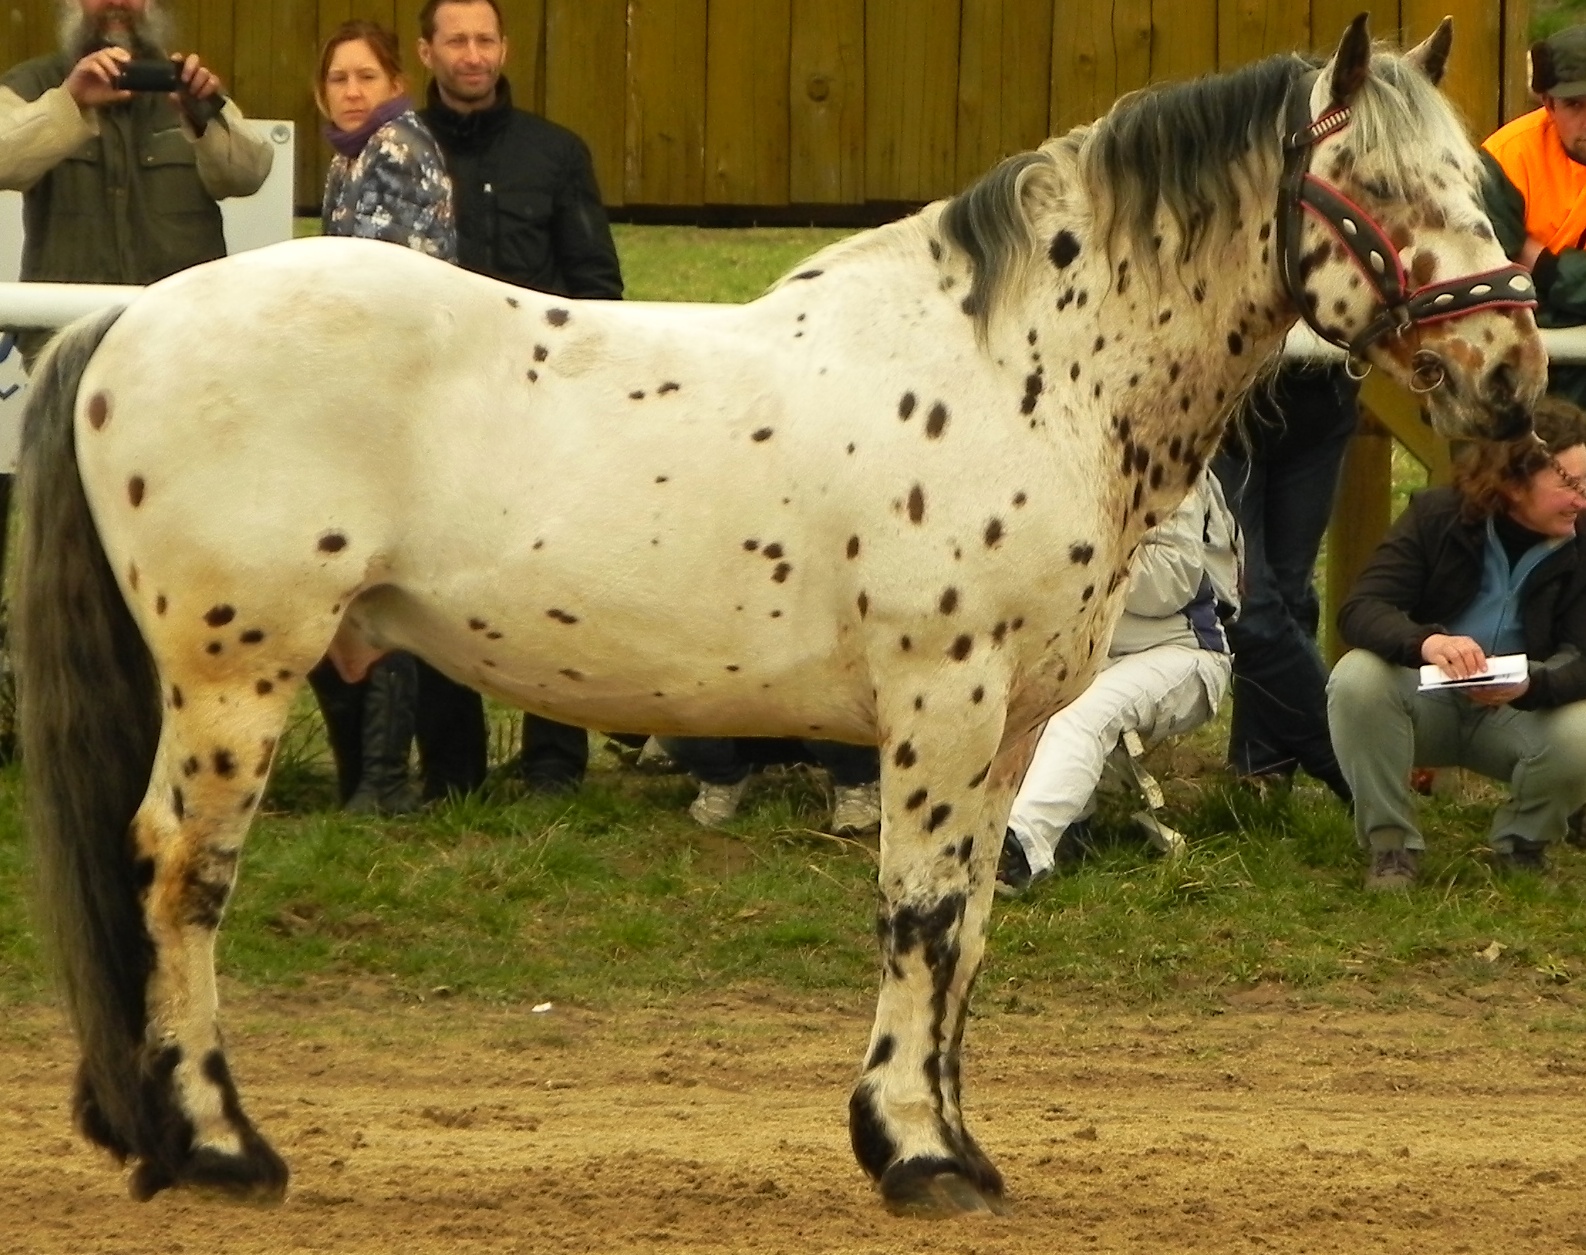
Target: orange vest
1553 184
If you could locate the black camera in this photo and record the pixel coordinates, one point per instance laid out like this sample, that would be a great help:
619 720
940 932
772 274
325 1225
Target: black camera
148 76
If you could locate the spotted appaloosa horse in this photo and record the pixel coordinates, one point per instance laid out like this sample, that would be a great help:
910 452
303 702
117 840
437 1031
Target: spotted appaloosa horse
892 501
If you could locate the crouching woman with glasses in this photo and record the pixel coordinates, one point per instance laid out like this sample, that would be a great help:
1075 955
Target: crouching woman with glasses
1492 565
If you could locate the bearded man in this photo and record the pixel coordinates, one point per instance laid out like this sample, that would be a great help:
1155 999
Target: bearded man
120 186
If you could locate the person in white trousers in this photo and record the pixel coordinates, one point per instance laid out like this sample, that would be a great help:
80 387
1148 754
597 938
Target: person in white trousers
1167 670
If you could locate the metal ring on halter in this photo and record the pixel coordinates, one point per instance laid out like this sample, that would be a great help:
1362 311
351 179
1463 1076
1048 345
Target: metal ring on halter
1428 372
1356 367
1428 379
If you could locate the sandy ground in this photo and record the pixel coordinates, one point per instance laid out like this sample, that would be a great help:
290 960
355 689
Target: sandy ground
719 1125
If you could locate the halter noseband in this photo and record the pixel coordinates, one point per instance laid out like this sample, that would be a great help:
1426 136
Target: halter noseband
1400 308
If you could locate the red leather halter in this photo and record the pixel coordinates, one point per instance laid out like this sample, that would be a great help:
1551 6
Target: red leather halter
1399 307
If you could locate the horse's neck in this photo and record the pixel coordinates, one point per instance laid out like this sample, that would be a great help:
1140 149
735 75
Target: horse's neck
1188 338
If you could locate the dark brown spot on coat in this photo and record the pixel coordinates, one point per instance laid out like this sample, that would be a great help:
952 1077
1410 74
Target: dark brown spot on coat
905 755
160 604
1063 249
1236 343
1081 554
937 422
178 803
225 764
853 546
251 637
809 274
264 688
332 542
906 406
135 490
993 533
781 573
219 616
979 695
916 504
176 696
98 410
668 386
863 604
761 436
938 816
961 647
561 616
557 317
571 673
773 550
916 800
949 602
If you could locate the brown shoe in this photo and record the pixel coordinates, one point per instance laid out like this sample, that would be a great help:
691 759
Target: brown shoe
1392 870
1393 867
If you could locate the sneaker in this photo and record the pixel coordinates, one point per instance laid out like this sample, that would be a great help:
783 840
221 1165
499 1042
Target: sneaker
653 757
717 803
1575 833
1013 868
1392 870
1522 856
856 810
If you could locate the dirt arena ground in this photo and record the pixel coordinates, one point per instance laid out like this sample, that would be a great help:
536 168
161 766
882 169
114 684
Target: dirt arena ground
719 1125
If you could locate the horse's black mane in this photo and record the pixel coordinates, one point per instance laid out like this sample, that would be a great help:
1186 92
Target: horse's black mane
1180 147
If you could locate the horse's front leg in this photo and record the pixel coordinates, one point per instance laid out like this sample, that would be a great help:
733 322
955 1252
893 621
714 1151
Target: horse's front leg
216 745
945 795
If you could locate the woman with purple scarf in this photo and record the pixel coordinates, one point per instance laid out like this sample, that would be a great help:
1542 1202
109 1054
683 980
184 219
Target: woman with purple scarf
386 182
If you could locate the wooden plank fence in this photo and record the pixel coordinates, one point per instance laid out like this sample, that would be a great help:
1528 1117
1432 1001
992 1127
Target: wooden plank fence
831 103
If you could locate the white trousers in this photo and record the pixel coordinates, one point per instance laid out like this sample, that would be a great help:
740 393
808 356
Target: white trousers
1160 692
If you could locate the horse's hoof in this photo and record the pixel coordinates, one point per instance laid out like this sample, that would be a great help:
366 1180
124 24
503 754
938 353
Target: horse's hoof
936 1188
256 1177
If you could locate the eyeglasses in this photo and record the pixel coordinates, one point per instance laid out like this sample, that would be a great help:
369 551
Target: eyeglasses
1574 483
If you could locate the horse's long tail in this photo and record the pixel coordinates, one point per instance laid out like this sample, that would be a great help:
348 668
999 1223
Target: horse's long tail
89 720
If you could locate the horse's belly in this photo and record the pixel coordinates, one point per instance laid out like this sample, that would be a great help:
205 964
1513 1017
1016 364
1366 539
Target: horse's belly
669 675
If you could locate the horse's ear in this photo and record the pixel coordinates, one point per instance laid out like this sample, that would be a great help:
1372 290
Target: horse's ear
1431 54
1351 62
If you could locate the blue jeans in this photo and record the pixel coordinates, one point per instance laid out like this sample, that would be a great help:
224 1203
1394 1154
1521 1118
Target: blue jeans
727 759
1279 471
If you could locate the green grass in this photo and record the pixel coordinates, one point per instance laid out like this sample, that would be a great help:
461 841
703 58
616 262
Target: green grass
616 895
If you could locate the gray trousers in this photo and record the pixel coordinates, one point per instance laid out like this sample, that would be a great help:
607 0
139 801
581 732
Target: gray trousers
1382 727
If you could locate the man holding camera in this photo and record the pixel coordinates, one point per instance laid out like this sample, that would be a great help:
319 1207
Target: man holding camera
122 151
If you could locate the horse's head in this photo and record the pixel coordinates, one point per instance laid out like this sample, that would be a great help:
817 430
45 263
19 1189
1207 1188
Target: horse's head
1385 245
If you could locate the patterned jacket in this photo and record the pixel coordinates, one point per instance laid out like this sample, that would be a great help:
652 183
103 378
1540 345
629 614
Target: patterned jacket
396 189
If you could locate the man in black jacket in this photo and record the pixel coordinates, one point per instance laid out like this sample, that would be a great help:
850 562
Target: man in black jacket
528 212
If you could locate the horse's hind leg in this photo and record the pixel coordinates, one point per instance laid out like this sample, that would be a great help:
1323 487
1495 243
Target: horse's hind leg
216 746
945 798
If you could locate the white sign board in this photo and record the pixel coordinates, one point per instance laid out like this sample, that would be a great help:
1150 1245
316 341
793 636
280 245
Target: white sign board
251 222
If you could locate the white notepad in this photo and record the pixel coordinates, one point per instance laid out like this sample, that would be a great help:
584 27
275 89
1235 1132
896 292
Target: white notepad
1501 670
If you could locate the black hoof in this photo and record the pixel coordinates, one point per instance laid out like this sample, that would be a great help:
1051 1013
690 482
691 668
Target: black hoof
936 1188
258 1175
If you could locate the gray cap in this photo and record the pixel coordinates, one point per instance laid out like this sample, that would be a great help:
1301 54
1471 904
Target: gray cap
1558 63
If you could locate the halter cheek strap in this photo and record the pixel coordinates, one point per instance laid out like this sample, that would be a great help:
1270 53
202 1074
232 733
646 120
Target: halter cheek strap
1400 307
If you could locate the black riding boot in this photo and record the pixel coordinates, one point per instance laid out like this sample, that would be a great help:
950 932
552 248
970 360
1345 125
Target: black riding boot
389 706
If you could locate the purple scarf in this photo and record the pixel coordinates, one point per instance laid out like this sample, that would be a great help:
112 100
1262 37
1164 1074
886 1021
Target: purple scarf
350 143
